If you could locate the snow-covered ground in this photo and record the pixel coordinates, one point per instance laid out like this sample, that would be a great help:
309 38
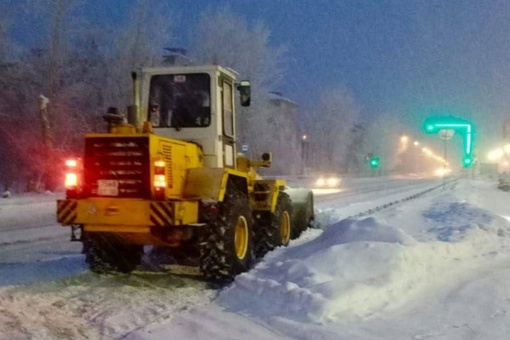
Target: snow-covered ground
433 267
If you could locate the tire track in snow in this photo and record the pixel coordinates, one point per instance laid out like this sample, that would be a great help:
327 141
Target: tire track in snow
97 306
405 199
322 219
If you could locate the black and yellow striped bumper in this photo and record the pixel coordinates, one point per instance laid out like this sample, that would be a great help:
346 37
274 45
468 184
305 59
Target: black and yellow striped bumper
66 212
161 213
126 212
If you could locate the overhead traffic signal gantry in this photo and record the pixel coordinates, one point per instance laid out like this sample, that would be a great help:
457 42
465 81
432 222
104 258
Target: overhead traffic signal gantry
463 127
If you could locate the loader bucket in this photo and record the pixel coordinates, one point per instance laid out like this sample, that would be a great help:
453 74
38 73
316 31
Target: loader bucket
302 209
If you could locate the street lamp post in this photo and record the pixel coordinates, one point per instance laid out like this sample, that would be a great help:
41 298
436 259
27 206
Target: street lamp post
416 155
304 153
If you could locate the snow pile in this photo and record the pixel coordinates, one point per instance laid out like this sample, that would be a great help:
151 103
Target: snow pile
357 269
433 267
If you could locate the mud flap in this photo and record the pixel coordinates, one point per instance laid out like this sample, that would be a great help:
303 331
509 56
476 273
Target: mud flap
76 232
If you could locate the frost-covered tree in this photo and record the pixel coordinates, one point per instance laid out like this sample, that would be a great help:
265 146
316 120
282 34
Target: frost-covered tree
75 65
225 38
330 130
139 42
14 106
7 70
356 157
34 134
53 109
4 40
383 139
103 57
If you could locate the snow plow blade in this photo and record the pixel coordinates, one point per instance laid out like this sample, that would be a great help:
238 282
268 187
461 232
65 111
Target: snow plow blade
302 209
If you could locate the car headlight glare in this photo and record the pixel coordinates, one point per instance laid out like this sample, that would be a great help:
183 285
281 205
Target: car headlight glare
332 182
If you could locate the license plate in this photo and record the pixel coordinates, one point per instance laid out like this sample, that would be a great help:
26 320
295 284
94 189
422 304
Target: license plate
108 187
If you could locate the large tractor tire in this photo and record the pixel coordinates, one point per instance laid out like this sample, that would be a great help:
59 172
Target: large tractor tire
226 246
302 210
274 229
108 253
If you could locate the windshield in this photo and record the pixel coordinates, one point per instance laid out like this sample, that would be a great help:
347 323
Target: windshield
180 100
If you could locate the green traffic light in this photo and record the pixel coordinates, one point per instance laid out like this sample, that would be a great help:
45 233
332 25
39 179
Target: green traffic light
467 161
374 162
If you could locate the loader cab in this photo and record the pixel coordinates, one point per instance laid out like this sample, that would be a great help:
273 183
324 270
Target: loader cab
194 104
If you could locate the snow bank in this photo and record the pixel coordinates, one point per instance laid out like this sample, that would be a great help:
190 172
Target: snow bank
357 269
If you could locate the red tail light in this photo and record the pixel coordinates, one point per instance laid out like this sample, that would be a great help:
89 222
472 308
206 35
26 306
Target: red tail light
72 177
159 180
71 180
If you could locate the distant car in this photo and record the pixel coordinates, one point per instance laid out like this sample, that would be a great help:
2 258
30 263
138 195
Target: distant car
327 181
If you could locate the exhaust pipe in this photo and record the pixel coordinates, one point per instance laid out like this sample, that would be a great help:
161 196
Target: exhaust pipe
133 110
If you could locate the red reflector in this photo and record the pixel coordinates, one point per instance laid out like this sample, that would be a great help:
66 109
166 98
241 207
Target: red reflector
159 167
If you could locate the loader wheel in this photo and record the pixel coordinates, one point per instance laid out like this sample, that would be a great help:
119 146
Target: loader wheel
108 253
274 229
227 244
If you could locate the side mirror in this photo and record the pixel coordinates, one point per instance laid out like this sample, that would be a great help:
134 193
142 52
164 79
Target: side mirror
267 159
244 89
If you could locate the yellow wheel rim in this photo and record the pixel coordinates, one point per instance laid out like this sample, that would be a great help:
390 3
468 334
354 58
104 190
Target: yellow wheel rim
241 237
285 228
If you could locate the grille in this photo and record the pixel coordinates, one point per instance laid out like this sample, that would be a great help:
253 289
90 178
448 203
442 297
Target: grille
120 164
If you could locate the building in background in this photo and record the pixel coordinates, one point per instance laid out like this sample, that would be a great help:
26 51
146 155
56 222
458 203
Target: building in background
287 153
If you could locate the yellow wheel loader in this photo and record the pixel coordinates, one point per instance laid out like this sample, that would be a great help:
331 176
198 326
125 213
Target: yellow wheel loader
169 176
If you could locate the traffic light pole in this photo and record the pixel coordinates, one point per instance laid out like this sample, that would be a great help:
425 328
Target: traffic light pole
444 164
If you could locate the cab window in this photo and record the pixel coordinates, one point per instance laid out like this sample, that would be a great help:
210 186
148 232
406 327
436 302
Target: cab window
180 100
228 114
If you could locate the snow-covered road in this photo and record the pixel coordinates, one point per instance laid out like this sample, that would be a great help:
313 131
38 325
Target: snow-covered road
433 267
